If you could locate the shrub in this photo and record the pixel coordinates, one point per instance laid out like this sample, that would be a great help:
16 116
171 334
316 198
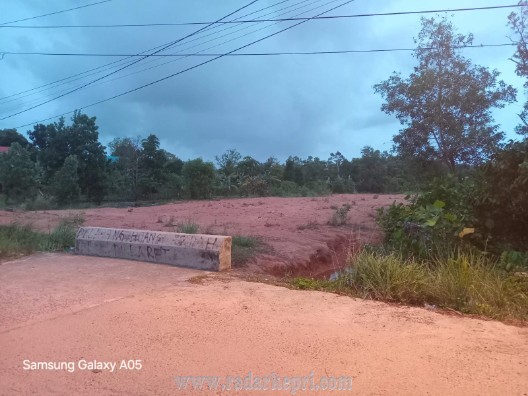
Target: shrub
244 248
421 231
501 205
340 217
188 227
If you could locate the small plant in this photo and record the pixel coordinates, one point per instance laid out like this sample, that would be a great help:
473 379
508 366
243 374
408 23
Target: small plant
244 248
312 284
511 260
188 228
63 236
340 217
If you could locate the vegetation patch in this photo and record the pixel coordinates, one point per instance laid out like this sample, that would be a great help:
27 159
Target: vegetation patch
18 240
340 216
244 248
465 280
189 227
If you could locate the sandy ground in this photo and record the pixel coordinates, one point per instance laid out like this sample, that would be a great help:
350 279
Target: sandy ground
58 307
299 240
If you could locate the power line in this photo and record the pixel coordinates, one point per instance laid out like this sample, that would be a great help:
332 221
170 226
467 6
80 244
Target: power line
256 53
180 57
63 80
91 72
126 66
54 13
189 68
266 20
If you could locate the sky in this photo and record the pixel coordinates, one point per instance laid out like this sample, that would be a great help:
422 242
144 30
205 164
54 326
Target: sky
273 106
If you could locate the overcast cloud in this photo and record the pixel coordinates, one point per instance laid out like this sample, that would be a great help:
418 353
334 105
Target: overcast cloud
262 106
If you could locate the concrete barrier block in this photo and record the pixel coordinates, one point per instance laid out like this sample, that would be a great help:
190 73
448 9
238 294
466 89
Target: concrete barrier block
205 252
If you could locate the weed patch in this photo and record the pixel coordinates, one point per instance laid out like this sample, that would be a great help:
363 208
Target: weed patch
243 248
18 240
188 227
466 281
340 217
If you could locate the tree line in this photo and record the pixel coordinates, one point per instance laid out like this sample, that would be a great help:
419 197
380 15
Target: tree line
67 164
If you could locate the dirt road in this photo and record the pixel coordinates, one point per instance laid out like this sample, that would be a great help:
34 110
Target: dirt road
62 308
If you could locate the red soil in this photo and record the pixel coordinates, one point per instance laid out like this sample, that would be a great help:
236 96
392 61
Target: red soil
66 308
299 240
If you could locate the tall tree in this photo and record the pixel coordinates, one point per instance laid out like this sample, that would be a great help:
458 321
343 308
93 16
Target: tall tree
198 177
518 22
227 166
126 168
152 161
65 182
445 104
336 159
55 142
18 174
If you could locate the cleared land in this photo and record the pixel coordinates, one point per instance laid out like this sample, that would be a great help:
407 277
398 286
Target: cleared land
299 240
59 307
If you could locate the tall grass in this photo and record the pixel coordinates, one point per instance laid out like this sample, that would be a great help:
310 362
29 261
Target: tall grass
17 240
244 248
468 282
189 227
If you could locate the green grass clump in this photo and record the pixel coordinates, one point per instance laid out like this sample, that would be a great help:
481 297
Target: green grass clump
17 240
188 228
467 281
243 248
389 278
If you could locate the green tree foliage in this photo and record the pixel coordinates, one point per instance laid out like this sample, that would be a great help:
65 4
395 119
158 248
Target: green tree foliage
151 162
65 182
315 170
55 142
10 136
445 104
501 205
371 171
198 178
227 168
518 22
293 170
18 174
125 172
336 161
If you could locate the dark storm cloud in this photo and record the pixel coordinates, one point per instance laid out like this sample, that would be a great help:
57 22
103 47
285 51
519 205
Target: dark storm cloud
262 106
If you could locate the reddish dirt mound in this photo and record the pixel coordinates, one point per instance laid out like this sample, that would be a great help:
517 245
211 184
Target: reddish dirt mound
296 231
